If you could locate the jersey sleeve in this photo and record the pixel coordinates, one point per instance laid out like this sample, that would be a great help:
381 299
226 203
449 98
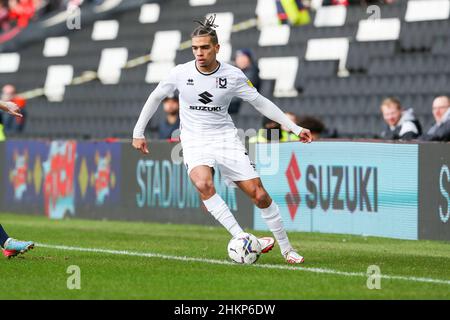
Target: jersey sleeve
244 88
164 88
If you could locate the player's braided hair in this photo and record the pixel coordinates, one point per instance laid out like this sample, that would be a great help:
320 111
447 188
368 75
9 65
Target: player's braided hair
206 28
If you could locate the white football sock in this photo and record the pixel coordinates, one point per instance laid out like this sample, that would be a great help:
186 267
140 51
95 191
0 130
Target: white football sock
219 209
273 220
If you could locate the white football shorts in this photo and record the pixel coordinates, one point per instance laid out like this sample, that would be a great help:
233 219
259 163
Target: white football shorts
228 155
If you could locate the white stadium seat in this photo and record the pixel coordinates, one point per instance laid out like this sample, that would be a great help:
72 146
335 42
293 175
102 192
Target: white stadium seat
330 16
195 3
111 63
56 47
225 52
165 45
378 29
105 30
57 78
9 62
329 49
316 4
224 20
266 11
423 10
274 35
284 71
149 13
157 71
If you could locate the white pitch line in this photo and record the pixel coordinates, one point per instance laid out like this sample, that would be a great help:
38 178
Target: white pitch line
225 262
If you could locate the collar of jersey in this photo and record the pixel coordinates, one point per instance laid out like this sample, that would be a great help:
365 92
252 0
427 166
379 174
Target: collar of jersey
208 74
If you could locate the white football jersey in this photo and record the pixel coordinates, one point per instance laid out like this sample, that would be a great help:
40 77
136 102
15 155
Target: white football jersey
205 98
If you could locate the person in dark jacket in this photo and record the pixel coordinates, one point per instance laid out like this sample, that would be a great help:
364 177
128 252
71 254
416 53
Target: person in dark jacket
171 121
400 124
440 131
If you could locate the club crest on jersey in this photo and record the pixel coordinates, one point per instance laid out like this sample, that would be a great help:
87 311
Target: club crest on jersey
221 83
190 82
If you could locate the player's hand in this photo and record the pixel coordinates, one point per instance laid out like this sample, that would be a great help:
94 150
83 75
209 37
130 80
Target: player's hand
305 136
13 109
141 145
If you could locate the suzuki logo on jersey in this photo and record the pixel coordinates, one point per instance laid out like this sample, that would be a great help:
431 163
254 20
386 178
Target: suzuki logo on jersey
221 83
205 97
205 108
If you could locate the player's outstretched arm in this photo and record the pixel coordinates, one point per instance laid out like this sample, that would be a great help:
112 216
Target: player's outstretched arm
163 89
11 108
149 109
271 111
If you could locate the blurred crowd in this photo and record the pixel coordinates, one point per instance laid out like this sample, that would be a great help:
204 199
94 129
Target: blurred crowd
18 13
297 12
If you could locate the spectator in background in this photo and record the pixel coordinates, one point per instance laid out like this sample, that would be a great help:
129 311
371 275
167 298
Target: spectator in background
355 2
22 11
440 131
400 124
13 124
10 108
335 2
2 132
292 12
244 61
317 127
265 135
4 17
171 121
270 130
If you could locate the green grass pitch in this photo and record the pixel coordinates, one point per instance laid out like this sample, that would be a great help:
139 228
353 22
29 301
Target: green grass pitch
335 265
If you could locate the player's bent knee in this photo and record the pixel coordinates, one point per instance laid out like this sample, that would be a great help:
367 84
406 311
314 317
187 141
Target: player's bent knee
205 186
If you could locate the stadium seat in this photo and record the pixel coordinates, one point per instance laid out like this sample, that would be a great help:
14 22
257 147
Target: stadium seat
105 30
427 10
274 36
441 46
56 47
9 62
111 63
378 29
328 49
284 71
330 16
149 13
57 79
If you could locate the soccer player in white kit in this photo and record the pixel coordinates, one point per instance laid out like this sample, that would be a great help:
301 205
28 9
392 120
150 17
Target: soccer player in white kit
209 137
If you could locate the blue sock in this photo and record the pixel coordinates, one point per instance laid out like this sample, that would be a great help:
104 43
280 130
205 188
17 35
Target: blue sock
3 236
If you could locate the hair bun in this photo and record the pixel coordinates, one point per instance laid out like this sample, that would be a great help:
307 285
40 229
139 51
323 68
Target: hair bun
208 22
